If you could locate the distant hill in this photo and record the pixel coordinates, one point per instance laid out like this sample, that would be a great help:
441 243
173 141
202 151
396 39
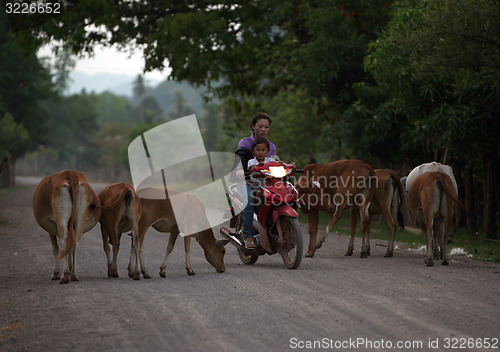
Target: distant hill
165 94
118 84
163 91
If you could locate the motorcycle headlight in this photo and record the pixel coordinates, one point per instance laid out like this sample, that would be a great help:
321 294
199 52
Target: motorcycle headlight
277 171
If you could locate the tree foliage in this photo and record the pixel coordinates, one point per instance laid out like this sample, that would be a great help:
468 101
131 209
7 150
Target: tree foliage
24 83
72 124
13 136
237 47
436 96
378 80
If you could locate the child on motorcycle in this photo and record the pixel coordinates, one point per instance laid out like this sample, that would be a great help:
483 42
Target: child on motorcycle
260 148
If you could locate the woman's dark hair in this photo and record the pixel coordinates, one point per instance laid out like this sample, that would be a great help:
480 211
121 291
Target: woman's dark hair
261 140
258 116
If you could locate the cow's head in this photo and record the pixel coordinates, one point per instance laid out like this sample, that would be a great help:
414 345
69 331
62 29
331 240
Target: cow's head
312 195
214 252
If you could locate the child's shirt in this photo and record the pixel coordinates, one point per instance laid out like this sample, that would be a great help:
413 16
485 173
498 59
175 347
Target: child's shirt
254 161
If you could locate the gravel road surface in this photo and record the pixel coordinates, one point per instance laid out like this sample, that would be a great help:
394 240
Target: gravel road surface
331 302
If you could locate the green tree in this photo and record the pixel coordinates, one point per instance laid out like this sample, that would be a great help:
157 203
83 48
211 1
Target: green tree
210 125
236 47
246 52
72 125
112 108
147 111
440 105
112 140
297 129
12 138
63 66
24 83
139 88
180 109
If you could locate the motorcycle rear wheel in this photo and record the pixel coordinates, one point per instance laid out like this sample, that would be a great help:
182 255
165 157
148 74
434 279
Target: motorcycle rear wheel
250 259
291 252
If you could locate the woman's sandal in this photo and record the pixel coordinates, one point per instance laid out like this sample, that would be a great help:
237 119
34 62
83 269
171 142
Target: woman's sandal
249 243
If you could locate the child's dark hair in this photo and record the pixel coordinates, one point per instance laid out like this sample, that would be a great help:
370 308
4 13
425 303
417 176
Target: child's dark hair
261 140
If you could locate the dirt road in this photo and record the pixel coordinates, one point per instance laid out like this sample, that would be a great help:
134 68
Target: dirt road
331 302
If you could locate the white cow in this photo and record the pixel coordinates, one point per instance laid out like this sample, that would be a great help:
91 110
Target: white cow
429 167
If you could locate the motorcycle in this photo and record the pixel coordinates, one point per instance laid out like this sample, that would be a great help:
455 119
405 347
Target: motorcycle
275 218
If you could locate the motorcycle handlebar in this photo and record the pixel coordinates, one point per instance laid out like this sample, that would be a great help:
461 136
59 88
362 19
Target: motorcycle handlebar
249 173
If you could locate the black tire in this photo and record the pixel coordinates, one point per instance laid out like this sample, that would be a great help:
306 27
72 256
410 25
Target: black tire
245 259
248 259
291 252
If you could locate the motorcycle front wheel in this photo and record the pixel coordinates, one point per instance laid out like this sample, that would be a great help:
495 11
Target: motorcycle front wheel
291 249
248 259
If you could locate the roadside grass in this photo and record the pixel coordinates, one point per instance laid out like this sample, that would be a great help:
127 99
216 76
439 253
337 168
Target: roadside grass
459 242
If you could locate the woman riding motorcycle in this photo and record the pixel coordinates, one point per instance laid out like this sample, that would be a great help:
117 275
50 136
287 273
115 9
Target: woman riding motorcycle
260 125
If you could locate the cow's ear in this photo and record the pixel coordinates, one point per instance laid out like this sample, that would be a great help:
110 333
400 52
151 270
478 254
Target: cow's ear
221 243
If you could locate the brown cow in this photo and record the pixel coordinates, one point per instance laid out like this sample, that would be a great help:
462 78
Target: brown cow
333 187
66 206
121 212
387 201
432 199
159 214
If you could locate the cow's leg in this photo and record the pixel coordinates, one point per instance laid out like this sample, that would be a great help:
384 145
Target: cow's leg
365 234
72 260
313 230
391 220
429 224
354 220
436 230
133 258
423 228
333 220
74 274
144 225
56 273
133 264
444 238
144 270
426 227
429 255
62 206
391 224
80 220
115 242
187 249
114 237
63 233
363 204
170 247
105 246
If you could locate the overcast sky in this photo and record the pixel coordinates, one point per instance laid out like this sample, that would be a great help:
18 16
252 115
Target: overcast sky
110 60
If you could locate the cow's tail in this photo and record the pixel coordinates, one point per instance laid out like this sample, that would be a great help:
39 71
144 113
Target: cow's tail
447 187
397 184
70 238
128 198
373 187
